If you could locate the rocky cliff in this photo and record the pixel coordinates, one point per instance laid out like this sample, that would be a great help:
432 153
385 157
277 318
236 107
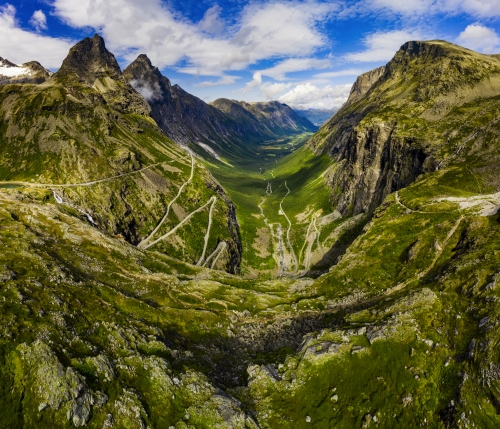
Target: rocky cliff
387 133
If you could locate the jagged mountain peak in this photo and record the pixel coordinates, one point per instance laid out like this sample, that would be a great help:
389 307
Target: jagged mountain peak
142 62
30 72
146 79
89 60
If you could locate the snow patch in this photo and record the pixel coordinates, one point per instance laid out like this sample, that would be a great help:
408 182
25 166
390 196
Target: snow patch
13 71
210 150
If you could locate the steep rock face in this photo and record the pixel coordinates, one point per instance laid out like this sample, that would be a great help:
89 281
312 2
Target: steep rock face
89 60
399 120
182 116
30 72
373 163
363 84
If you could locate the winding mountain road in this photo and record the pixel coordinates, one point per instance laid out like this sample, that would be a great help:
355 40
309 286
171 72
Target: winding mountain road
144 243
73 185
282 212
207 235
189 216
216 254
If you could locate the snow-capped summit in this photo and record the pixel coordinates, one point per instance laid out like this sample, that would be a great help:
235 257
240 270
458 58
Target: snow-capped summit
30 72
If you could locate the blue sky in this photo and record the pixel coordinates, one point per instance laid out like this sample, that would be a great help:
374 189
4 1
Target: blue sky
304 53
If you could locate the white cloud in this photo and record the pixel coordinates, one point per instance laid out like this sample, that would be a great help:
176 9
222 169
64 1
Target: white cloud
39 20
267 89
311 96
416 8
382 46
479 8
20 46
271 90
340 73
263 31
224 80
479 38
150 93
280 70
211 22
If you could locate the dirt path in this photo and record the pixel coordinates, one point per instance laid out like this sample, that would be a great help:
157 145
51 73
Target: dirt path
73 185
278 255
207 235
144 243
486 205
269 189
282 212
216 254
408 210
189 216
309 243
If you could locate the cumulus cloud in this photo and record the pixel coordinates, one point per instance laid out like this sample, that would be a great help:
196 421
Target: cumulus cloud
307 95
20 46
263 31
267 89
415 8
290 65
382 46
211 22
479 38
271 90
224 80
38 20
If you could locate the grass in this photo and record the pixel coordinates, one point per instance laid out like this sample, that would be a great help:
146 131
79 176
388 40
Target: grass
246 182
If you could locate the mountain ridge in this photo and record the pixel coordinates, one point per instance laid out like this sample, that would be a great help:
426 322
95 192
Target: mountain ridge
187 119
357 135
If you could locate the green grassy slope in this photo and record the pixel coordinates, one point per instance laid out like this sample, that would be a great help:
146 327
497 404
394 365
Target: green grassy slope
67 132
286 172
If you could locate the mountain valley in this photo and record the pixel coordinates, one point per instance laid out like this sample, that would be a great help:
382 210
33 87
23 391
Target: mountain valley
171 263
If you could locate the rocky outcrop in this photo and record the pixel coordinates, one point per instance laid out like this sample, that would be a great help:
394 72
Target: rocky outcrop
380 140
55 387
363 84
89 60
373 163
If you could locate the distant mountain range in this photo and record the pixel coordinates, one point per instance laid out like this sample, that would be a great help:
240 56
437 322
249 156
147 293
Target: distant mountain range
222 127
317 116
30 72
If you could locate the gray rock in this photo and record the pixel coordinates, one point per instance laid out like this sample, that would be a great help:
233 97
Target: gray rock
374 333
